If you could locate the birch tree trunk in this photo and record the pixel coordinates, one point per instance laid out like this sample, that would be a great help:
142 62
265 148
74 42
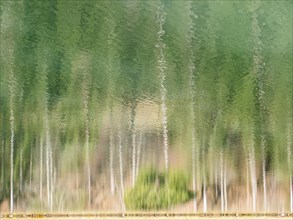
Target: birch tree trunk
289 160
191 87
252 169
41 168
139 148
87 134
222 182
20 172
111 161
2 165
225 187
133 138
256 70
161 17
48 161
31 168
12 85
121 171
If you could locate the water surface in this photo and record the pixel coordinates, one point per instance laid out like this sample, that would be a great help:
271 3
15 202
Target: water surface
118 106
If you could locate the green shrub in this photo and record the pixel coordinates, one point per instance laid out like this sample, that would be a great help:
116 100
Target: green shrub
154 190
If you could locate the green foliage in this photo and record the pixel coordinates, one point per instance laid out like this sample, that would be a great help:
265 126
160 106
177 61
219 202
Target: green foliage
52 47
154 190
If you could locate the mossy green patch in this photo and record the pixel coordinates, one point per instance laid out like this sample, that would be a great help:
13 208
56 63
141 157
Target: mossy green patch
158 190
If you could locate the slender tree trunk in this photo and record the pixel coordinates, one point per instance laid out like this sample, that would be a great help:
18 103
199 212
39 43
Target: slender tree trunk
133 137
133 157
88 172
264 173
194 179
291 193
253 176
216 177
111 162
191 68
139 147
20 172
87 135
161 16
41 169
110 37
222 182
51 177
54 176
2 166
191 87
48 152
11 119
77 170
257 69
48 173
247 186
11 158
121 171
31 168
198 171
289 160
205 205
225 187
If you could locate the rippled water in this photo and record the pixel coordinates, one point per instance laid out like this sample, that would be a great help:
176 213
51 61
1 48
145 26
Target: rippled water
173 106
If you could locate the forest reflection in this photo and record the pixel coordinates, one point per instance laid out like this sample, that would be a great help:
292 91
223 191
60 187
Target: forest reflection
174 106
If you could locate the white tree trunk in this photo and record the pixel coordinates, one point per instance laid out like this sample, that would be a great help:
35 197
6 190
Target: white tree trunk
225 187
87 134
247 187
265 205
205 204
11 158
161 17
12 83
291 193
2 165
31 168
121 171
41 169
191 68
112 185
191 85
139 148
20 171
51 177
48 173
193 154
257 64
133 137
48 149
216 177
253 176
77 170
222 182
289 160
133 157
